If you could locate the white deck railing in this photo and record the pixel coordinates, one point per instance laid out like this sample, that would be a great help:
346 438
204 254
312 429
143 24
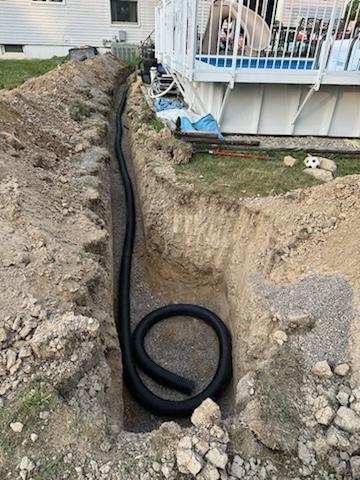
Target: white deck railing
263 41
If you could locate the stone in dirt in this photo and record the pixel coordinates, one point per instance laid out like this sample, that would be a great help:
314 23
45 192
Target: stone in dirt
267 429
355 467
206 415
337 438
53 338
10 359
245 390
327 164
209 473
188 461
347 420
355 380
321 447
201 446
17 427
11 140
237 467
290 161
220 434
185 442
304 453
301 320
343 398
26 464
3 335
218 458
342 370
322 369
280 337
319 174
323 411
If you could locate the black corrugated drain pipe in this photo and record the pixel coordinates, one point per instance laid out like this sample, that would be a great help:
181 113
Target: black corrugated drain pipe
132 345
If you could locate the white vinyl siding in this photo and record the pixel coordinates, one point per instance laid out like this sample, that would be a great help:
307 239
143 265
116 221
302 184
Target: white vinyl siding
289 12
295 10
69 23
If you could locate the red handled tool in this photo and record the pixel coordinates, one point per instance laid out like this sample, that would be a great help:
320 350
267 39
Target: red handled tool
236 154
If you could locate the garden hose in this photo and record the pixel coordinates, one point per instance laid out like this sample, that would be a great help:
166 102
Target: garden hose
133 351
154 95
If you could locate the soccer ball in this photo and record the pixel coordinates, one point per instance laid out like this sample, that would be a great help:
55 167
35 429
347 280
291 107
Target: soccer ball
312 162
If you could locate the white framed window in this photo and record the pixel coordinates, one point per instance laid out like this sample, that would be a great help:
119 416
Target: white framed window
13 48
124 11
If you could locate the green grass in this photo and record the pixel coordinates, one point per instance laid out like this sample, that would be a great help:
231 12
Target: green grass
36 399
15 72
241 177
156 124
52 471
25 410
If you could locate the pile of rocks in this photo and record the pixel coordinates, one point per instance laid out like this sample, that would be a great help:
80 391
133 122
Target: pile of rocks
321 168
16 354
335 426
203 455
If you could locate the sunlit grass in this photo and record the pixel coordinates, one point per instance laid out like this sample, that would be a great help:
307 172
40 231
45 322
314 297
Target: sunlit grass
249 177
15 72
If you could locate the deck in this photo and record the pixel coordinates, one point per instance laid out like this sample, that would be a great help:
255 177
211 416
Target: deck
261 41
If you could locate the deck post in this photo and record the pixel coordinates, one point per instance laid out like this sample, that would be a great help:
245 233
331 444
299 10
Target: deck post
191 57
327 47
236 43
172 30
323 64
184 19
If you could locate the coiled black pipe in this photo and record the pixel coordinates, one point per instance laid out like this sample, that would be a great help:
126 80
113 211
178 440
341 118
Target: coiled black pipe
132 346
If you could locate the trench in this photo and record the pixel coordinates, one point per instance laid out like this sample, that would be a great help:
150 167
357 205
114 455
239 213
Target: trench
183 345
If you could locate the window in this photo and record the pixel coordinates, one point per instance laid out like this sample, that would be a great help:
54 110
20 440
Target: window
124 11
13 48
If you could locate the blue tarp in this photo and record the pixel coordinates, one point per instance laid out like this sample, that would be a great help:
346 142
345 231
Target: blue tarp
205 124
162 104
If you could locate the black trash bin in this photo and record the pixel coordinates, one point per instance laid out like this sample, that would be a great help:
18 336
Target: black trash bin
148 61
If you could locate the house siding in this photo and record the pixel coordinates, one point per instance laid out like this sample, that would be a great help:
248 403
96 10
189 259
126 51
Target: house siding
70 24
289 12
295 10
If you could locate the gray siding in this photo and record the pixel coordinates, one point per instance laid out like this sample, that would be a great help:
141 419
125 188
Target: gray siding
74 23
295 10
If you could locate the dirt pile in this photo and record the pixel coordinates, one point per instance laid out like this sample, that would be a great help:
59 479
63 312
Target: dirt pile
287 268
55 256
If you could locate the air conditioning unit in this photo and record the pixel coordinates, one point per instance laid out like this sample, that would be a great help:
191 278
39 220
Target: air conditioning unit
125 51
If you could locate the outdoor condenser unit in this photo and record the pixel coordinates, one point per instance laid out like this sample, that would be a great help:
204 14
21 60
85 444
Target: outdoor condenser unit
125 51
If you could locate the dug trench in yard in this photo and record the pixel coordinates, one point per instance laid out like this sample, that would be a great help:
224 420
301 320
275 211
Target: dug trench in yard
56 355
277 269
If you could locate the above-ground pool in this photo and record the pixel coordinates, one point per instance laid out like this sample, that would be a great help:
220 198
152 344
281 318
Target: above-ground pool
256 63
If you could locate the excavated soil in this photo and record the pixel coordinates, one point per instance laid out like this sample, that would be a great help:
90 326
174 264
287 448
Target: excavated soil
283 273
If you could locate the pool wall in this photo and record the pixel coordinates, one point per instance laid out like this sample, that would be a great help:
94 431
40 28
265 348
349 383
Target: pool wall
270 109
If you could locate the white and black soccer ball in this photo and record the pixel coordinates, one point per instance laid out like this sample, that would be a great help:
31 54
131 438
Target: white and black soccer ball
312 162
